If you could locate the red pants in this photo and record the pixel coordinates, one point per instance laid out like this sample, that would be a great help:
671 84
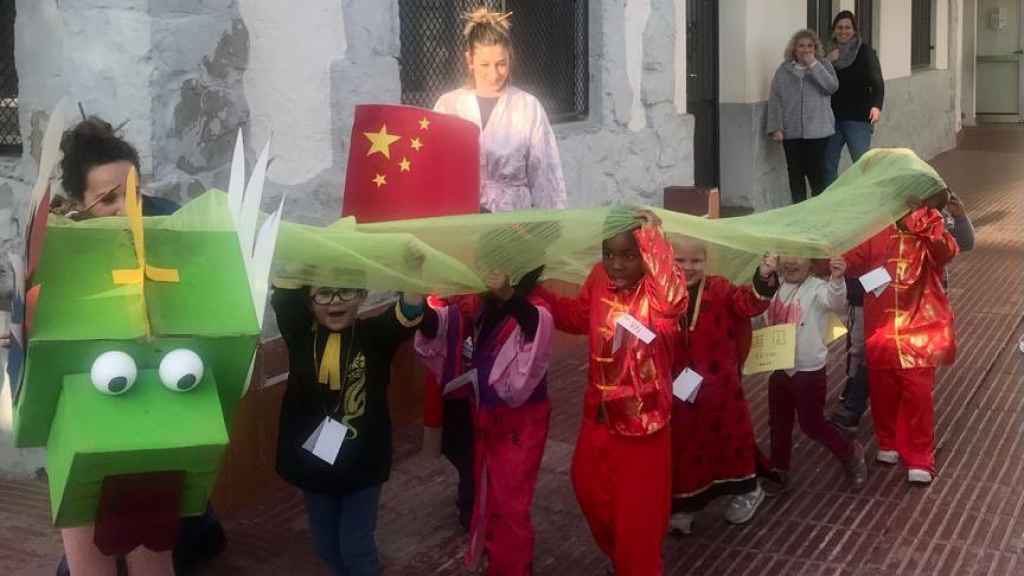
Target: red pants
509 448
901 404
801 395
624 486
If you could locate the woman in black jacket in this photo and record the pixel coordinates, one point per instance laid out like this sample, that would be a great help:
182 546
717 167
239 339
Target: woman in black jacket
857 105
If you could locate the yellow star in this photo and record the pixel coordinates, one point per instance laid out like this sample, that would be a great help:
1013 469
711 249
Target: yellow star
381 141
416 144
424 123
380 180
404 165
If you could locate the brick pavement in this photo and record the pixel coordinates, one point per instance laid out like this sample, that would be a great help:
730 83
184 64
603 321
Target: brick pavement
970 521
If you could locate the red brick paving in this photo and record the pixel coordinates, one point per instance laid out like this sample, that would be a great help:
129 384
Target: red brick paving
970 521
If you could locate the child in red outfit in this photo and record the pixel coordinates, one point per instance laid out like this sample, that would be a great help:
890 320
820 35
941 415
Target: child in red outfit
908 331
713 446
621 470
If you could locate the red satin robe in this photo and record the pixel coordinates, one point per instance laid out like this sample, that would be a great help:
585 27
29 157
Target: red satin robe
908 331
621 469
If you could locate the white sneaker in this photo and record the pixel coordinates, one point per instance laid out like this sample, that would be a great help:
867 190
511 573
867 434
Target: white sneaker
681 523
918 476
888 456
743 507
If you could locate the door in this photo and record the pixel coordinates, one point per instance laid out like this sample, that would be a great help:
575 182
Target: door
998 91
702 87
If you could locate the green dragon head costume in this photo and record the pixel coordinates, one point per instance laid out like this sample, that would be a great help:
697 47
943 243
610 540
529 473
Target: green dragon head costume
139 347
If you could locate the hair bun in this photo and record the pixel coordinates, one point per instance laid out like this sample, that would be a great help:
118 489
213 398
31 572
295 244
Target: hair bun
484 17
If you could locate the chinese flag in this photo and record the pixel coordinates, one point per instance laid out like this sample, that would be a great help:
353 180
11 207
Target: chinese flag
407 162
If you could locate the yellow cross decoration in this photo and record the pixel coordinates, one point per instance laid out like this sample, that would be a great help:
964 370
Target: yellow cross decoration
133 209
381 141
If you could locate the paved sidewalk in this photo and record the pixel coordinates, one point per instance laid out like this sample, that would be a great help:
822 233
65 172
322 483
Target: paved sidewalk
970 521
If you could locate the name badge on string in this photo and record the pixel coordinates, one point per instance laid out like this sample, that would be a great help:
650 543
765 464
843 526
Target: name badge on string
686 385
635 327
876 281
325 442
456 383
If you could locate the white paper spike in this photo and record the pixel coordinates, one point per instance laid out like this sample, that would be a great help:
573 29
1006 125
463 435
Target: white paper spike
49 156
258 268
236 186
250 212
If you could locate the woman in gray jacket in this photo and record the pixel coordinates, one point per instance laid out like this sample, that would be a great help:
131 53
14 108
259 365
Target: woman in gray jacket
799 112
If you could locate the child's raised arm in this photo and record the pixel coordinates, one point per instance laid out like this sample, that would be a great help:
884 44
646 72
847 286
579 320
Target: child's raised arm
571 314
664 280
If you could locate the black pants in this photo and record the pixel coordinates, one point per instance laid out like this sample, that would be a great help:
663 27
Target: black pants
457 446
805 159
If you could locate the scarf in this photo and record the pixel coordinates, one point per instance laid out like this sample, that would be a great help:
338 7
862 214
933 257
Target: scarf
847 52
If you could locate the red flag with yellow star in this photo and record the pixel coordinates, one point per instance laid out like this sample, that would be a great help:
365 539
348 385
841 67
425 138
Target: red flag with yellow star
406 162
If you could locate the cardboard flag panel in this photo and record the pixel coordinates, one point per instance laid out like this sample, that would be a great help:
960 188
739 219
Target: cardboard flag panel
406 162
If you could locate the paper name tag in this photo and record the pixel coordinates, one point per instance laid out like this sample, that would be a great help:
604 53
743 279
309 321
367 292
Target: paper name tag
635 327
876 281
687 385
456 383
772 348
325 442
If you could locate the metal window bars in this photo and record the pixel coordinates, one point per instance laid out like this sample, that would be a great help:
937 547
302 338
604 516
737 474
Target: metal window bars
10 134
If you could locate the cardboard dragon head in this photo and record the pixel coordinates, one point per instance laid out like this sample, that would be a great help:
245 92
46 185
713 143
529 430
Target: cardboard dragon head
138 350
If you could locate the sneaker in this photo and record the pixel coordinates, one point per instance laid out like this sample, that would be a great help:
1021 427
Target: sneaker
681 523
918 476
856 469
743 507
888 456
844 419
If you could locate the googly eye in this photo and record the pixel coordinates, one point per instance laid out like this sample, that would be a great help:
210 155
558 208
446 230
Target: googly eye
113 373
181 370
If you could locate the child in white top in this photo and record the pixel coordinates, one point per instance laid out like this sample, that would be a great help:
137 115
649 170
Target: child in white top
808 302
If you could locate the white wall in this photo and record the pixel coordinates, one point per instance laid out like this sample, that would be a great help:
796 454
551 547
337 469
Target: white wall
940 34
289 91
893 42
753 37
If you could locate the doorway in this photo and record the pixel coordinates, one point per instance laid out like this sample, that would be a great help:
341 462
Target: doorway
702 88
998 93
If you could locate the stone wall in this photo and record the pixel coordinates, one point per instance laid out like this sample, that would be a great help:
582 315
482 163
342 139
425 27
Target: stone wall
919 114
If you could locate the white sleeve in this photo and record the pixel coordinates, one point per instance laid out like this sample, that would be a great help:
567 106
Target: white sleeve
544 165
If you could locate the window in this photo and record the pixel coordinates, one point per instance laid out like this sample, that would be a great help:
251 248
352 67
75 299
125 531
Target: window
819 19
921 34
865 13
549 39
10 135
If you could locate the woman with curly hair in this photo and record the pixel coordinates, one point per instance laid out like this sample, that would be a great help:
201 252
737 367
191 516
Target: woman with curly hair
799 112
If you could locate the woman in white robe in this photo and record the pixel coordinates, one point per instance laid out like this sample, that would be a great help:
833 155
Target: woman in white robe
519 163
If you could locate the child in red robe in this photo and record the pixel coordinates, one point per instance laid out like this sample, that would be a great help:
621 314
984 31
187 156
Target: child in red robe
908 331
713 447
621 469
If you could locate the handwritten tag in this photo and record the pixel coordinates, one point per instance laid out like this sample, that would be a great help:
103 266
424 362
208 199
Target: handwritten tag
687 385
325 442
635 327
456 383
876 281
772 348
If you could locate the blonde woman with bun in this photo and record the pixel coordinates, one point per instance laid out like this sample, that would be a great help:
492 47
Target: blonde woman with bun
519 163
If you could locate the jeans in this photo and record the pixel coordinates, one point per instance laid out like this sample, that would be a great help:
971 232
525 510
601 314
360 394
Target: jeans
343 529
805 158
855 394
856 136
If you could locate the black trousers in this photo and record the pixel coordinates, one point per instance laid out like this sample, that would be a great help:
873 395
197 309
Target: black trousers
458 447
805 159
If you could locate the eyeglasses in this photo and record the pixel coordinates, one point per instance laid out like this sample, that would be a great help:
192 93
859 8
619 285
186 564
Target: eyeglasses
325 296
